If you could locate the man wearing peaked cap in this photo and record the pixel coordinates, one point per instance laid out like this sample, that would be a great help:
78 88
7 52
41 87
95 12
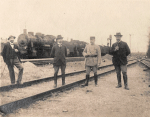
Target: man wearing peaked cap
92 54
11 57
120 50
59 52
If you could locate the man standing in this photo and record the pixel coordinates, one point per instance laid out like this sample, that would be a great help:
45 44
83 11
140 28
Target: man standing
120 51
59 52
11 57
92 54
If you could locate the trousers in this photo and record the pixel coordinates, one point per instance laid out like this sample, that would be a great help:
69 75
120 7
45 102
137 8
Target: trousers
18 64
89 68
122 68
56 69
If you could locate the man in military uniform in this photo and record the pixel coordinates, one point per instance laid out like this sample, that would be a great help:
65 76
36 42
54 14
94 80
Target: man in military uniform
59 52
92 54
120 51
11 57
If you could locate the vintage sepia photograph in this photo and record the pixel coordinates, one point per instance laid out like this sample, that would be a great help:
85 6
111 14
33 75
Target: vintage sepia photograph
75 58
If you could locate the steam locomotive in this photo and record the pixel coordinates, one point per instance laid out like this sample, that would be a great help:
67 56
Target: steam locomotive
40 46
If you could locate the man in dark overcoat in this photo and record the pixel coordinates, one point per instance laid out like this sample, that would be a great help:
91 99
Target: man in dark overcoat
59 52
120 50
11 57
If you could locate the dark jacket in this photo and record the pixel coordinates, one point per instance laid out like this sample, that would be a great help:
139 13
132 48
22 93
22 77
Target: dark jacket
9 53
59 54
120 56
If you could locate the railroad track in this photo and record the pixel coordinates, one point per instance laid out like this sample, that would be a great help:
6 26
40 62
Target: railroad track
34 82
20 103
50 60
146 62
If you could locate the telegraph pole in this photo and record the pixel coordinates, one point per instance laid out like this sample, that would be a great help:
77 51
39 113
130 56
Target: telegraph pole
130 43
110 37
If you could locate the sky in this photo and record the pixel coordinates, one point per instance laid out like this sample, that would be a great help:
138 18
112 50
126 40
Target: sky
79 19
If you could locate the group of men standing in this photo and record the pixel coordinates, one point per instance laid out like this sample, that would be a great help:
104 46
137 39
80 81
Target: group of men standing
92 54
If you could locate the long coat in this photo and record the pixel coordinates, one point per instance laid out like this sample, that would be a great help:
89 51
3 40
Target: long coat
91 51
120 56
9 53
59 54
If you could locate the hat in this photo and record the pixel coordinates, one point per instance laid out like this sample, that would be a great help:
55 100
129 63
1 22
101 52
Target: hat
59 37
92 37
11 36
118 34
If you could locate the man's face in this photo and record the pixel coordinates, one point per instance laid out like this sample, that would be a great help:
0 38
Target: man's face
11 39
59 41
118 38
92 41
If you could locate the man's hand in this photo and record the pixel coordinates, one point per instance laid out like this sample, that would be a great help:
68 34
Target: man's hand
16 50
116 48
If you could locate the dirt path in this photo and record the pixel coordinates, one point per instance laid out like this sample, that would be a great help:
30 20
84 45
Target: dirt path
102 101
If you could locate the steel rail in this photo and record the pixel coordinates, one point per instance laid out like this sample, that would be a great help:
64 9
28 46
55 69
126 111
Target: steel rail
148 66
12 106
51 59
26 84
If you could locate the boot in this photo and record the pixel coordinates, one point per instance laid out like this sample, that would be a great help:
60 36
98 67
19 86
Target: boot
95 78
55 81
20 76
126 87
87 80
63 79
119 80
125 81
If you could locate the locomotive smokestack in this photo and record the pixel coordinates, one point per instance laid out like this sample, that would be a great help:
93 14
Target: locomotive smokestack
24 31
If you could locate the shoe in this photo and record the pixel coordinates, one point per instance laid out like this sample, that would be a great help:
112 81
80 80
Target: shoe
96 85
118 86
126 87
19 83
12 83
55 86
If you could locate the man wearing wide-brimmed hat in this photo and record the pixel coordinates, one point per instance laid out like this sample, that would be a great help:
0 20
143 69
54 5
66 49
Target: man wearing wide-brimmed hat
59 52
92 54
120 50
11 57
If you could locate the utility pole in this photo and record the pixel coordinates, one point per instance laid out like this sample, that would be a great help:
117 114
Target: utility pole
130 43
110 37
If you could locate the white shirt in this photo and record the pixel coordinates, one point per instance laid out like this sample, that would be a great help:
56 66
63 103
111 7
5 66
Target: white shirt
12 45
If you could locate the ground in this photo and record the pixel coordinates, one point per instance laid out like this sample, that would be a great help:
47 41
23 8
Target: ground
102 101
32 72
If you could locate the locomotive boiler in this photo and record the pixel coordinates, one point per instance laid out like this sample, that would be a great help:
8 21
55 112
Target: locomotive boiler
35 46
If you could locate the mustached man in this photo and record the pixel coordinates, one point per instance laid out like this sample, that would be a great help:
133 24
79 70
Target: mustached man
11 57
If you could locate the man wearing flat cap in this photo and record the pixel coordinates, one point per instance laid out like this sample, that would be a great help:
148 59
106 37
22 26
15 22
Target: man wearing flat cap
11 57
120 50
59 52
92 54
